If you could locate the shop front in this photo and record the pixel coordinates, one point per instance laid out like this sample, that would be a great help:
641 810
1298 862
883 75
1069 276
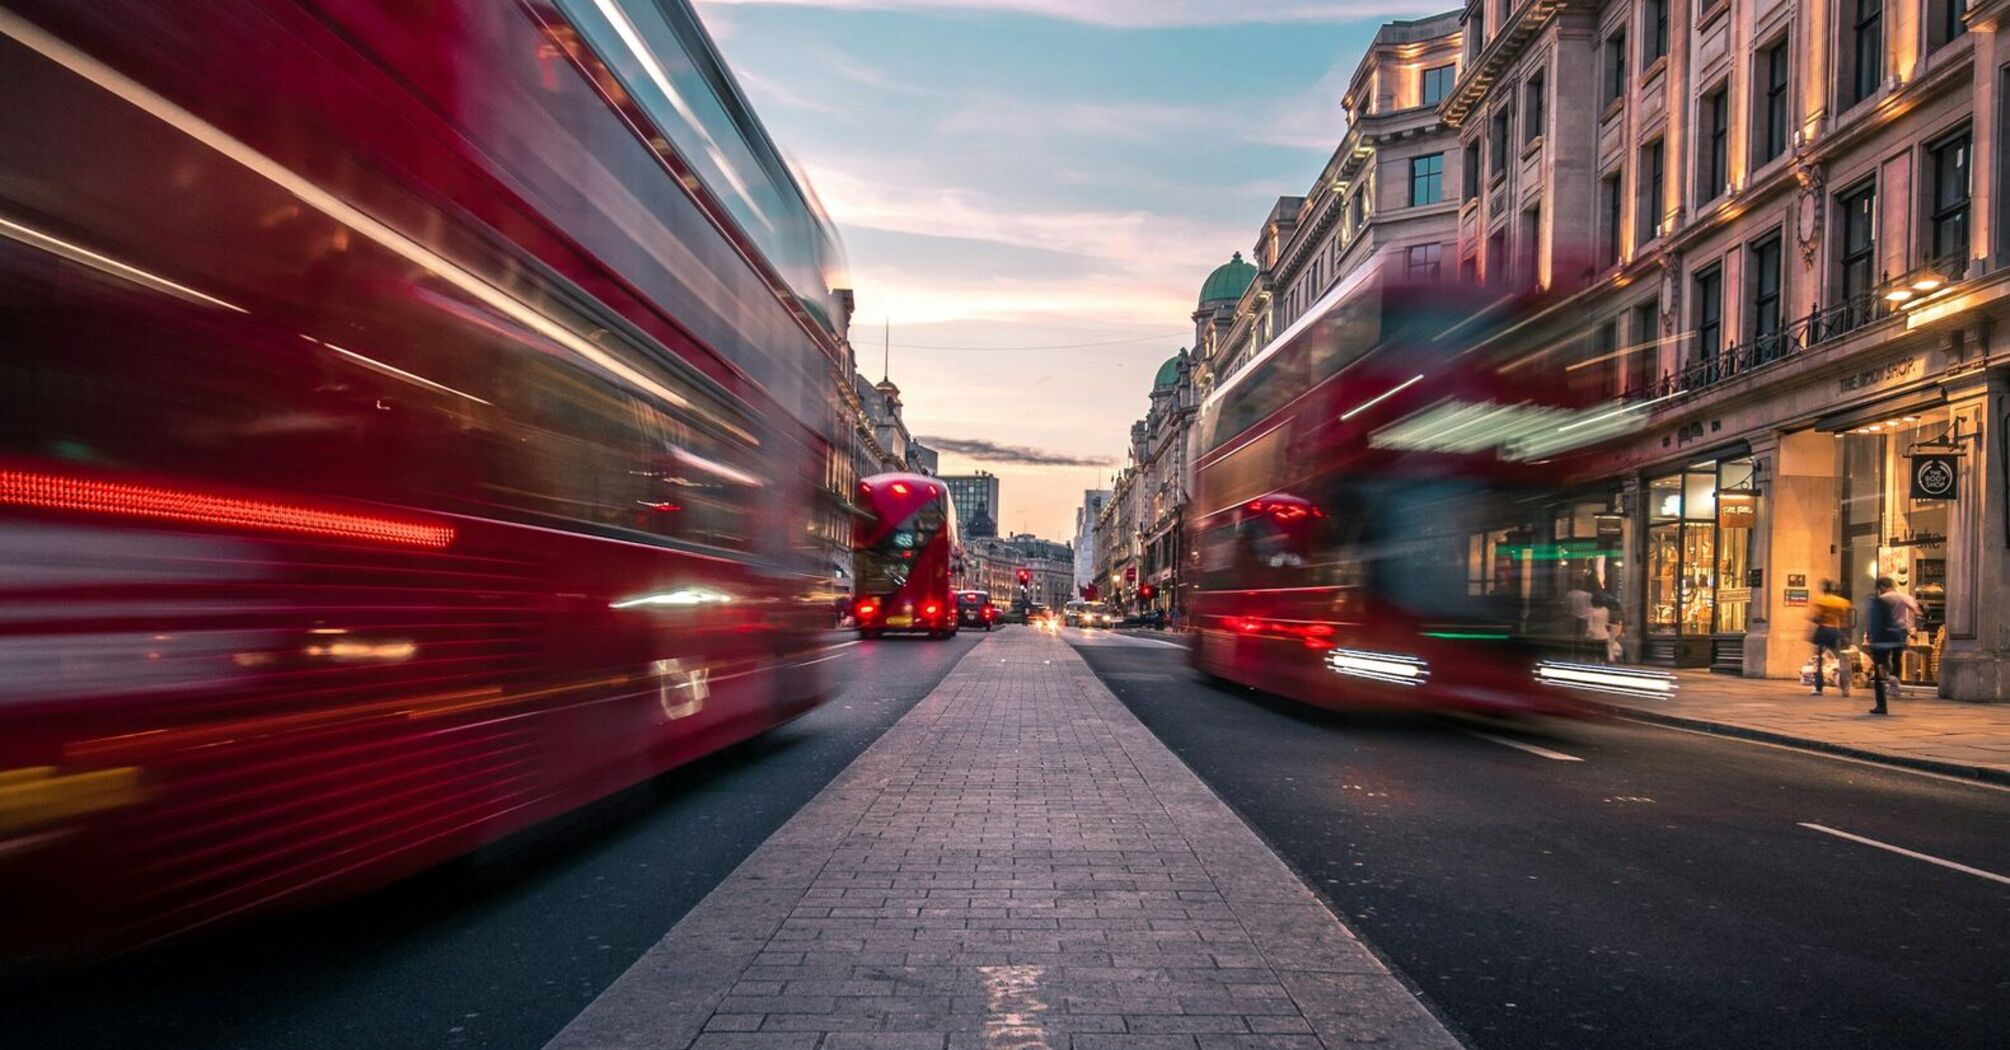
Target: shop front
1898 479
1699 564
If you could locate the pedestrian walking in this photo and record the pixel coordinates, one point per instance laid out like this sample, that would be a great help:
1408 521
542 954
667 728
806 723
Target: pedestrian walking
1830 614
1577 615
1886 638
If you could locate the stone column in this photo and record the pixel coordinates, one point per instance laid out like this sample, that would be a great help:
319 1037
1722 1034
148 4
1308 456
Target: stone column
1798 516
1633 585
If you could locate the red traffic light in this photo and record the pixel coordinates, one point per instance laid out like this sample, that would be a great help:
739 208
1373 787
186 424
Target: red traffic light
1025 576
1145 592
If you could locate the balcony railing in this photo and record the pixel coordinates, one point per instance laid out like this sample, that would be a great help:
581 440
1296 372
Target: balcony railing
1820 326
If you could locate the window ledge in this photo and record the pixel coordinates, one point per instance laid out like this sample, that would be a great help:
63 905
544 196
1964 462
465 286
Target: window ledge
1713 10
1531 147
1654 69
1613 107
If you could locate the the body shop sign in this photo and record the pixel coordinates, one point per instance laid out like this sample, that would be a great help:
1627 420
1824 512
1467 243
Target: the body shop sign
1933 475
1902 370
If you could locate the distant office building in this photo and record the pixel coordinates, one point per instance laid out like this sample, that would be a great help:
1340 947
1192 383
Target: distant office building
1093 501
976 499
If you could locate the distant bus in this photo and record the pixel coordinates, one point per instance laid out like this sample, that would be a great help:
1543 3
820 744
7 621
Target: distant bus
904 557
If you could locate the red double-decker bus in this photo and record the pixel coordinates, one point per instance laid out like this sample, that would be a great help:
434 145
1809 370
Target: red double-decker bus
1372 511
415 418
904 557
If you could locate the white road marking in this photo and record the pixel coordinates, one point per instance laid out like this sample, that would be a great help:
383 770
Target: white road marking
843 645
1110 638
1915 855
1530 748
819 660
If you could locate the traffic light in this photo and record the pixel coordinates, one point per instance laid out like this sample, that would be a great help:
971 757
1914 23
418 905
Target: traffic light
1145 592
1025 577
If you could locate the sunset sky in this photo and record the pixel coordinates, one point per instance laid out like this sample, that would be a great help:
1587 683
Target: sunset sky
1032 191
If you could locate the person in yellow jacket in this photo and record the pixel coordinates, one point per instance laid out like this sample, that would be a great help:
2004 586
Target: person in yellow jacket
1830 612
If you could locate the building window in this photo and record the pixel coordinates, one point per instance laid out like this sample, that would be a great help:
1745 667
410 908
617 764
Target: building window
1426 262
1437 83
1502 132
1949 233
1856 258
1947 20
1497 250
1713 150
1769 138
1615 67
1535 96
1469 270
1611 201
1643 357
1469 174
1866 49
1604 363
1709 319
1653 32
1763 278
1531 243
1651 183
1427 179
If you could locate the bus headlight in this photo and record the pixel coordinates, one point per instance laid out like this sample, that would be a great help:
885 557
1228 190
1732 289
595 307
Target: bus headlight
1394 668
1601 678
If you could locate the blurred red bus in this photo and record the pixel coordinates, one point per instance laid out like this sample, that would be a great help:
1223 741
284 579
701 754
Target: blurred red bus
904 557
1368 494
415 417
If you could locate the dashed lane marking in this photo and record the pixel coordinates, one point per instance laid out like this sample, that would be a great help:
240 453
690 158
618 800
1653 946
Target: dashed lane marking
1543 752
1914 854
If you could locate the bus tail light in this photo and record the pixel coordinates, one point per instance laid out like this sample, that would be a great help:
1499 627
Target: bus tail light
866 610
931 610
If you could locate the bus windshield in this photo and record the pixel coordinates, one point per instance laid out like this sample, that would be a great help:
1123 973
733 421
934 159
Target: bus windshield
885 565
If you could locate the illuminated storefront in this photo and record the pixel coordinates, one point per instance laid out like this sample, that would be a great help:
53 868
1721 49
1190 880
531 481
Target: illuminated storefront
1882 529
1699 542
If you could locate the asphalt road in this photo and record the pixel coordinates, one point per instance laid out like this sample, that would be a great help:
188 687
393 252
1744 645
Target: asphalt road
1660 891
499 951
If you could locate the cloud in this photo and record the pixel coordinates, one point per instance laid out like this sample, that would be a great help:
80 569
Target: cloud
1017 455
1141 13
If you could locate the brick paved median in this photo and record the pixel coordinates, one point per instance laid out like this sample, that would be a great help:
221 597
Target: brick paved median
1018 864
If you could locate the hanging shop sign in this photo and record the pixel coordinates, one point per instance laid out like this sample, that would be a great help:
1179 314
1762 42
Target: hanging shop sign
1736 509
1933 475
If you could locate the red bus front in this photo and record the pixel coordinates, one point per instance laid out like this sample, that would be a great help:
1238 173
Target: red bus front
904 557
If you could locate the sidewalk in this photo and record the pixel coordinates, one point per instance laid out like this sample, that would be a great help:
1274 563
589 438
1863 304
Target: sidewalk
1922 731
1018 864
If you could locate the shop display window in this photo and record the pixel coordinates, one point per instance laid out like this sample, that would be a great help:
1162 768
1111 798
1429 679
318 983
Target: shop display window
1699 548
1885 532
1737 512
1664 569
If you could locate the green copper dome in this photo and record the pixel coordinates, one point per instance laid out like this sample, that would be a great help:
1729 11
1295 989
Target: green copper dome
1168 373
1228 281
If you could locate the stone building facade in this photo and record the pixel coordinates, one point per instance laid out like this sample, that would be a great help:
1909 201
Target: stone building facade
1386 197
1765 230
